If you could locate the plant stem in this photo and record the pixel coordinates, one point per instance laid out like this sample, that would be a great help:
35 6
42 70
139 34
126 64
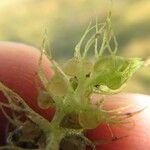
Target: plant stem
54 140
55 136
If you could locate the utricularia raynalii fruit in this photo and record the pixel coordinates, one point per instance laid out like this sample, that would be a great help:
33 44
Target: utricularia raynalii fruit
69 91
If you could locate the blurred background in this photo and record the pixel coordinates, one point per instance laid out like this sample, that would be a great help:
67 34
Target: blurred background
65 20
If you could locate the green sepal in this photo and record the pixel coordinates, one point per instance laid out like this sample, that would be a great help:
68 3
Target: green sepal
71 67
90 118
57 86
111 72
44 100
